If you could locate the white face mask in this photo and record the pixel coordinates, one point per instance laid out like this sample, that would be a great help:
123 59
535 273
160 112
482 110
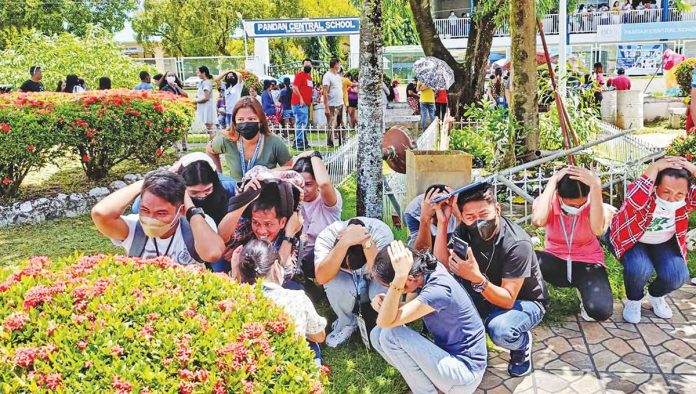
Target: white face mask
669 206
171 79
573 211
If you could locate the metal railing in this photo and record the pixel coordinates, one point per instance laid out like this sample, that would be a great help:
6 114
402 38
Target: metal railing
584 22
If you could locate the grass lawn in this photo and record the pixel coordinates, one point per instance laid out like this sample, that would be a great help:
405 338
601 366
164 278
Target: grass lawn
353 368
658 126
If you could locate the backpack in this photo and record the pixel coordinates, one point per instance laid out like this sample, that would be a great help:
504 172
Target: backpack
140 239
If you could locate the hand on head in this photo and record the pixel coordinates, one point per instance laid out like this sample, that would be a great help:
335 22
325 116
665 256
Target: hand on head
354 235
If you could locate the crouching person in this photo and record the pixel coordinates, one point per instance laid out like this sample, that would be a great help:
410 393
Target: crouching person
259 260
344 253
649 234
572 212
501 273
168 222
455 360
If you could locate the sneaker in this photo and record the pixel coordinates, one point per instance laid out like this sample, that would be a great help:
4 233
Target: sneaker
631 312
521 360
660 307
693 281
338 337
583 313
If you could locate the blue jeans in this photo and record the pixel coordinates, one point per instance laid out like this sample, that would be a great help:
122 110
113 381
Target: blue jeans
642 260
228 120
427 110
341 293
507 327
301 121
426 367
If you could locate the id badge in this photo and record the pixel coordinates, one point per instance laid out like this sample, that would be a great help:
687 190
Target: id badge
363 331
569 270
310 83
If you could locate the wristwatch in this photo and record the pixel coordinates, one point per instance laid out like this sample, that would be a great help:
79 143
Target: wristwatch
194 211
480 287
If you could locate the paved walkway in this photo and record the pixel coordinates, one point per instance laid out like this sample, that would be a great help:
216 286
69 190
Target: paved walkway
654 356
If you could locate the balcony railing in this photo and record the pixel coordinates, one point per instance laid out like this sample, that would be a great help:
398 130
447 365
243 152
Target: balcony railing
578 23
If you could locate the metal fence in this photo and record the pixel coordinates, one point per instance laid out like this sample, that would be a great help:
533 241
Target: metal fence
186 67
585 22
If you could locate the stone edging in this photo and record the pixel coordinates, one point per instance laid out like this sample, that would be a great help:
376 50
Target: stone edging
59 206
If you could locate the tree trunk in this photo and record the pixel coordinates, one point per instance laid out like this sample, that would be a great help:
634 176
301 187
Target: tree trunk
524 100
470 75
370 112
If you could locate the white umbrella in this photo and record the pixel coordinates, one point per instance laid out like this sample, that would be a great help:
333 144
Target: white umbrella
433 73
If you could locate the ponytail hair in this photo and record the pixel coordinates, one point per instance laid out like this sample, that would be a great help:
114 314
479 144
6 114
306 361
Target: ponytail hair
423 264
206 71
257 260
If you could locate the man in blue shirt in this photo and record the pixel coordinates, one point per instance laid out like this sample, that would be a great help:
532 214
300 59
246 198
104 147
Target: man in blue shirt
285 97
144 82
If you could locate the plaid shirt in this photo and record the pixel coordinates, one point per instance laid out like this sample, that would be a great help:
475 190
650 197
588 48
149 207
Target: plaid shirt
635 215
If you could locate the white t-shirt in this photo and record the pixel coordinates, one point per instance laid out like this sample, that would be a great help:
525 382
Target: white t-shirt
661 229
335 84
380 232
317 216
232 95
177 251
298 306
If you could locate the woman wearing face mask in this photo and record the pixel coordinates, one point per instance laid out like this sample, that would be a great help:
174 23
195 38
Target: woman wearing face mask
259 261
649 234
571 211
205 101
234 83
171 83
320 207
208 190
249 142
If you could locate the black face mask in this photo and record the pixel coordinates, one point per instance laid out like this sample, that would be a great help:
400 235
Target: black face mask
231 81
248 130
214 204
484 228
307 69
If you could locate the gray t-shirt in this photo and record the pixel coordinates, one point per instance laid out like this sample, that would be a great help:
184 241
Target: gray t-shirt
455 325
335 84
380 232
412 218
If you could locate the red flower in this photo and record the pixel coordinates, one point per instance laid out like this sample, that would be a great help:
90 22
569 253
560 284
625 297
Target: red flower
88 364
166 130
85 158
149 123
121 385
116 350
15 321
227 305
52 380
89 134
689 157
6 181
219 387
37 296
51 329
31 148
185 387
201 375
325 369
158 152
82 345
153 316
25 356
5 127
277 326
186 374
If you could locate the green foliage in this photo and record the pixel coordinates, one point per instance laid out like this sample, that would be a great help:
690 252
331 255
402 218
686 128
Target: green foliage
104 324
684 73
584 116
684 146
54 17
103 127
398 25
475 143
94 56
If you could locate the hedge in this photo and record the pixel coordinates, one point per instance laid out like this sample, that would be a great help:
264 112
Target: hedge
684 73
103 128
115 324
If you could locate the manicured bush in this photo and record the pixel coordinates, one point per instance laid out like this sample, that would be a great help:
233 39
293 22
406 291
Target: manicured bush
103 128
107 127
684 73
112 324
27 137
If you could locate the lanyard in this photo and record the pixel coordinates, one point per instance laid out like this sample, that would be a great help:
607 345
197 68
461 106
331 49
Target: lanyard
569 243
356 282
154 241
242 158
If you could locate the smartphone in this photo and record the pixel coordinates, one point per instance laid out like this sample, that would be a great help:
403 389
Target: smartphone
460 247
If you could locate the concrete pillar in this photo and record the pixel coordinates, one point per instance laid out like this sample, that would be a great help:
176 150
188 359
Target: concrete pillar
262 53
158 53
629 109
424 168
354 58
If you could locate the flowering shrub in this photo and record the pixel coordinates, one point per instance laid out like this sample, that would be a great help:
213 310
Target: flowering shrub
115 324
683 73
106 127
684 146
103 127
27 137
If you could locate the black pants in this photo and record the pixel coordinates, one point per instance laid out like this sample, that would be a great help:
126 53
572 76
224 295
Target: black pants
440 110
590 279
